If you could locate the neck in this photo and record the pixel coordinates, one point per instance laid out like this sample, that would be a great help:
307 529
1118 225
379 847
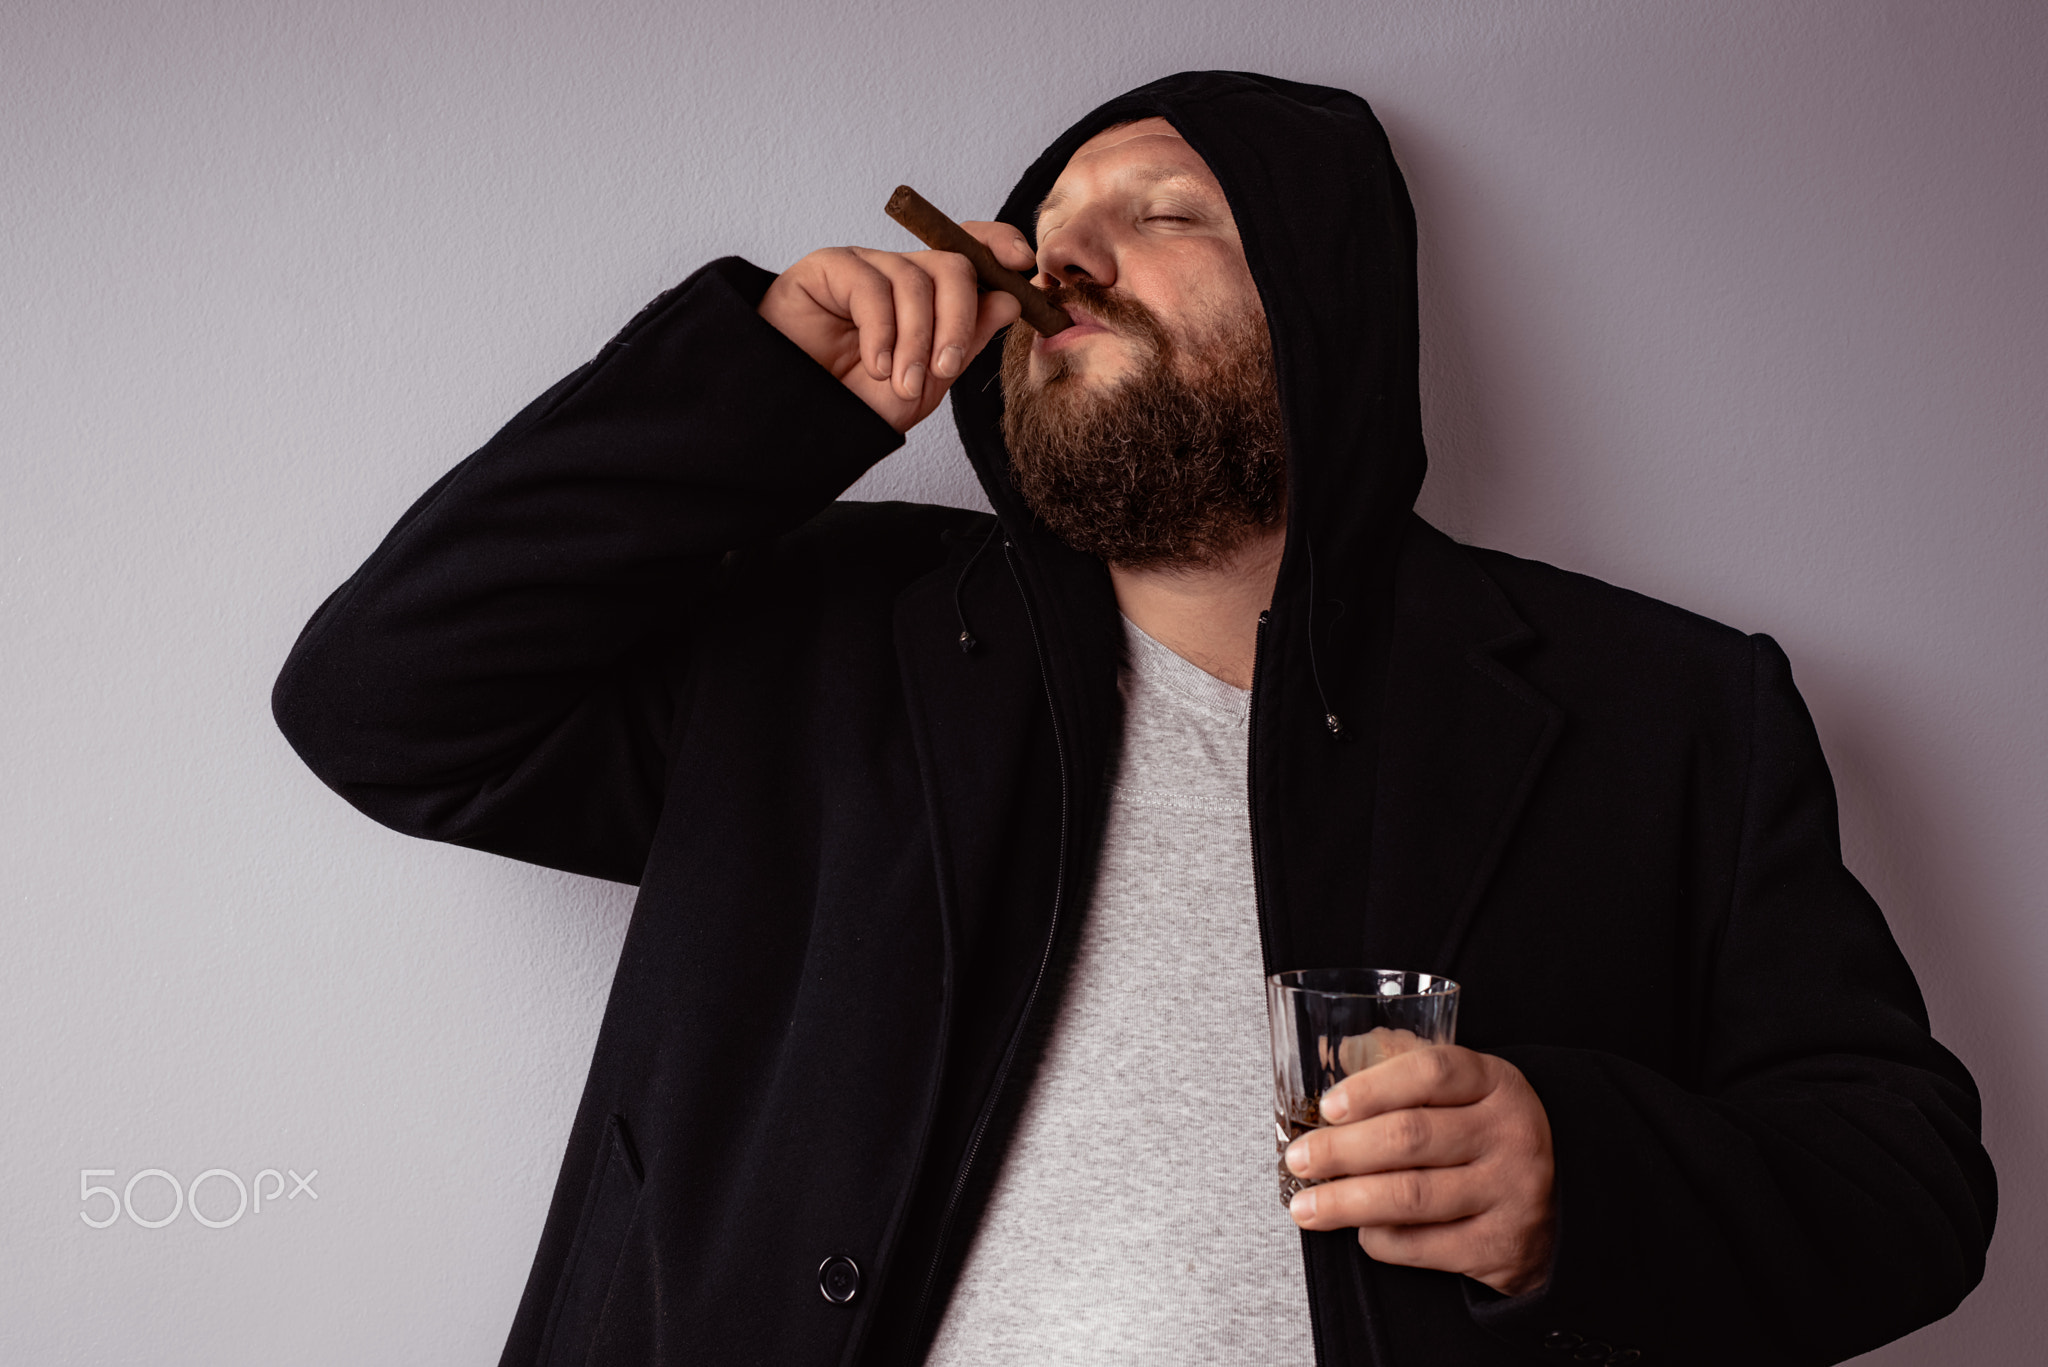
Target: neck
1208 616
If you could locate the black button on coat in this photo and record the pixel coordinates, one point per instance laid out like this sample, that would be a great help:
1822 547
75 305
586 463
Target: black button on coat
633 636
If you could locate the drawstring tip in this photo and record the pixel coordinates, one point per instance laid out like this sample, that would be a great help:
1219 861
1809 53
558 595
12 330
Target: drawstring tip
1336 726
967 643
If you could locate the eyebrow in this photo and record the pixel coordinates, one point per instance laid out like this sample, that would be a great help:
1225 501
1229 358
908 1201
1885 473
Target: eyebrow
1146 175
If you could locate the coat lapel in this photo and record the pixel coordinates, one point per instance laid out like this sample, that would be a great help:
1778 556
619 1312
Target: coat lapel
1462 740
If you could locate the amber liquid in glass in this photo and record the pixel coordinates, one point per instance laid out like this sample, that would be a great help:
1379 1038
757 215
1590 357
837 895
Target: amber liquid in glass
1302 1115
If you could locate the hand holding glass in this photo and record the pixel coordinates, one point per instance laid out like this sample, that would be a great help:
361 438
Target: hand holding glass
1328 1023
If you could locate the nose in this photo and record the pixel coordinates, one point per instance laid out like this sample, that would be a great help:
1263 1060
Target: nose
1073 253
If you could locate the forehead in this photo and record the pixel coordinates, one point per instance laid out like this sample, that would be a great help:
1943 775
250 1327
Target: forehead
1127 132
1144 152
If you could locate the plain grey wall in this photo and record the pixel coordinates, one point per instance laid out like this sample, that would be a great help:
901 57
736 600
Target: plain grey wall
1739 304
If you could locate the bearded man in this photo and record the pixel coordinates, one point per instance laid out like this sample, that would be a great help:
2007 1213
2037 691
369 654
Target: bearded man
965 842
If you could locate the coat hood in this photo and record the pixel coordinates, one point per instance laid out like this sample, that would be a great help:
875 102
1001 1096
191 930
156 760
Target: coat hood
1329 235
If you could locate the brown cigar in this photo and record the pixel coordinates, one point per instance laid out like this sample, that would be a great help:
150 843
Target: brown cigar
940 233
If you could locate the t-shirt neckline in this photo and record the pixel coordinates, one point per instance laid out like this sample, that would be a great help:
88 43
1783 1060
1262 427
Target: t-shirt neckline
1156 663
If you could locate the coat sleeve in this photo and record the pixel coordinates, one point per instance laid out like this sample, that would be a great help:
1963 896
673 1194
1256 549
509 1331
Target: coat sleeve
502 671
1822 1189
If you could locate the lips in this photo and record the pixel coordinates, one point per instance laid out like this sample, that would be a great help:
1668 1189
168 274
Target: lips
1086 324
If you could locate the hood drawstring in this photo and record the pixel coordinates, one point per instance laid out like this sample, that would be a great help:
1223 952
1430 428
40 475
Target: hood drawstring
967 641
1330 719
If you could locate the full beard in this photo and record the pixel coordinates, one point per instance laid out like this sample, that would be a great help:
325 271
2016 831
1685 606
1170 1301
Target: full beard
1175 466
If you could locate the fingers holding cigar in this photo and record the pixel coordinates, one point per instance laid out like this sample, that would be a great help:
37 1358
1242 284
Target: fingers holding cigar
895 327
1007 245
935 230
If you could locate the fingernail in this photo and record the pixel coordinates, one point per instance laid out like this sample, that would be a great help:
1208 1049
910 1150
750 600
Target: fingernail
885 360
1303 1206
1335 1106
1297 1157
913 379
949 362
1021 245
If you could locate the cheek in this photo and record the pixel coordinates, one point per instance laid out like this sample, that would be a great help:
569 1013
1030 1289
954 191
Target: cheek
1234 296
1201 291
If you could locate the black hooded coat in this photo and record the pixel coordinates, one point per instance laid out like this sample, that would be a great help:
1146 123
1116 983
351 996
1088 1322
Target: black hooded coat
634 637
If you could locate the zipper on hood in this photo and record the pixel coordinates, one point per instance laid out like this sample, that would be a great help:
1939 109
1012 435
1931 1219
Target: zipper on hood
1331 722
1024 1020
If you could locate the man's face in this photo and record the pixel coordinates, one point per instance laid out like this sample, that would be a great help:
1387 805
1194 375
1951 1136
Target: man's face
1138 213
1149 432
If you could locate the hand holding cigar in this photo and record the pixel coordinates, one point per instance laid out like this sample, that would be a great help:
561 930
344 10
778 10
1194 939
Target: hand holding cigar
898 327
940 233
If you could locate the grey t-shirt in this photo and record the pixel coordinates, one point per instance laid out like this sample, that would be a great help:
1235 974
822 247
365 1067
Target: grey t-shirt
1137 1218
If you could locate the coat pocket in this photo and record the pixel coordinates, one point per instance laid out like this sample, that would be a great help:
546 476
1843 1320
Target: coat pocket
600 1238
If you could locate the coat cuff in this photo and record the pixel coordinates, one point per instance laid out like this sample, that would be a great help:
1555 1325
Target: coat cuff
704 341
